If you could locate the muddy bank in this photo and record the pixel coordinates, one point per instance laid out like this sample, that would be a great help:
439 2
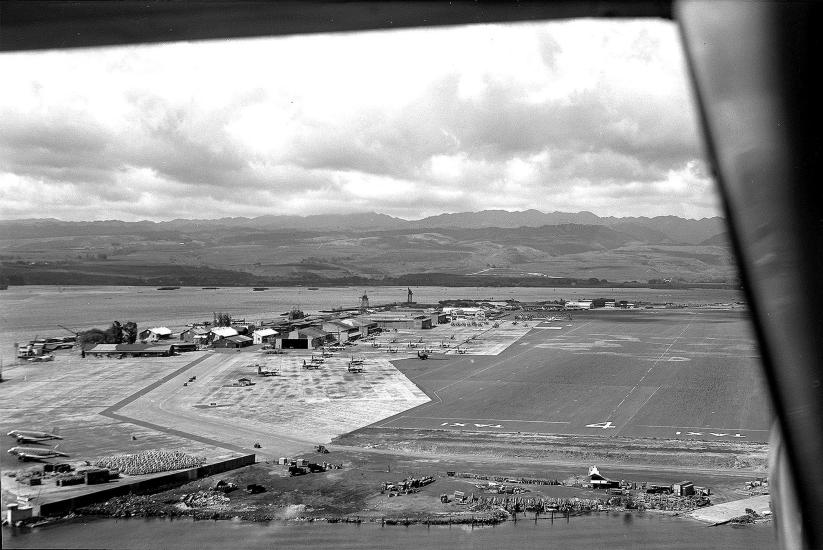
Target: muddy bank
381 488
565 449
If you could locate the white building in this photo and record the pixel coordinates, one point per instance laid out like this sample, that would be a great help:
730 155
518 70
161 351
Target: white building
578 304
154 334
223 332
264 336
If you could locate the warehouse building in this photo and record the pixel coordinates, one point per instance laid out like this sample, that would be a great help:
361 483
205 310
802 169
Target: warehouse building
218 333
131 350
304 338
391 321
236 341
197 335
366 325
342 331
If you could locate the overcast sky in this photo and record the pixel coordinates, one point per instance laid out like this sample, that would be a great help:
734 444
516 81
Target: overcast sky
569 116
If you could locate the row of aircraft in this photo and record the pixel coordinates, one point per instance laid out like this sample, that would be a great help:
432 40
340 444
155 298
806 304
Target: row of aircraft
34 453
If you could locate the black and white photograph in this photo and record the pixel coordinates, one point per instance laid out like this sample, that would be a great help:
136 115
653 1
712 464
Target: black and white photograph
391 274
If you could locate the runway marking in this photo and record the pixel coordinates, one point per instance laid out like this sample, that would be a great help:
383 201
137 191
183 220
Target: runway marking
631 391
703 428
628 420
477 422
710 433
462 425
488 419
603 425
135 396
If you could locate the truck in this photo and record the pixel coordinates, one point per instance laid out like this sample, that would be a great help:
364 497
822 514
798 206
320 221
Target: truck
295 470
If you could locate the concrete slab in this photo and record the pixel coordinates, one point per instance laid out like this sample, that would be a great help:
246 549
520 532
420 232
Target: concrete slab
721 513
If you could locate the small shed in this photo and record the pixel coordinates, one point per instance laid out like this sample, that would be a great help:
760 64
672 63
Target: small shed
599 481
683 489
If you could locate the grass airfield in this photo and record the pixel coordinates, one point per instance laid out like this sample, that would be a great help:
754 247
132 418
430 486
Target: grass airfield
682 374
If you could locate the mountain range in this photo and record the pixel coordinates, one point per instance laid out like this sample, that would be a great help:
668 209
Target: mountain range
662 229
473 247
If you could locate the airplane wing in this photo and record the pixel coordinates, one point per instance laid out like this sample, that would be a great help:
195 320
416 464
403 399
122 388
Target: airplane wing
30 456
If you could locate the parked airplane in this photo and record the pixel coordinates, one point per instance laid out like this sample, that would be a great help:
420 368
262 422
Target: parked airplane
29 436
35 453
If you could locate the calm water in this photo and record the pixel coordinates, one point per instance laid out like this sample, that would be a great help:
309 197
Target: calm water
29 311
613 531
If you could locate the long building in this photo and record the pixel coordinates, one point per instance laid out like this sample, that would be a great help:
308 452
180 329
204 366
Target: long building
397 320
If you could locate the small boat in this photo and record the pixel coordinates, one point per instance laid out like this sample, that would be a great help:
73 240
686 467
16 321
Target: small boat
313 288
41 358
168 288
260 288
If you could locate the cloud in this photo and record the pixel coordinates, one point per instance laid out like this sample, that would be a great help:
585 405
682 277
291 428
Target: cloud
581 115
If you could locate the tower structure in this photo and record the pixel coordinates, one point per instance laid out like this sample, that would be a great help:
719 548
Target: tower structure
409 300
364 303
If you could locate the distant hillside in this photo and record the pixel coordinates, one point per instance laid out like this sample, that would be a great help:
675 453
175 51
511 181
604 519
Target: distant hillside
657 230
679 230
504 218
349 249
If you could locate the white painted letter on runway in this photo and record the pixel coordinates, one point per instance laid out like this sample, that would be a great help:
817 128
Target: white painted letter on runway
603 425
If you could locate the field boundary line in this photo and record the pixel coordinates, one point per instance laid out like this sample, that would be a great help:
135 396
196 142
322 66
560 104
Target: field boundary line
640 408
704 428
110 412
154 385
657 362
172 431
489 419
